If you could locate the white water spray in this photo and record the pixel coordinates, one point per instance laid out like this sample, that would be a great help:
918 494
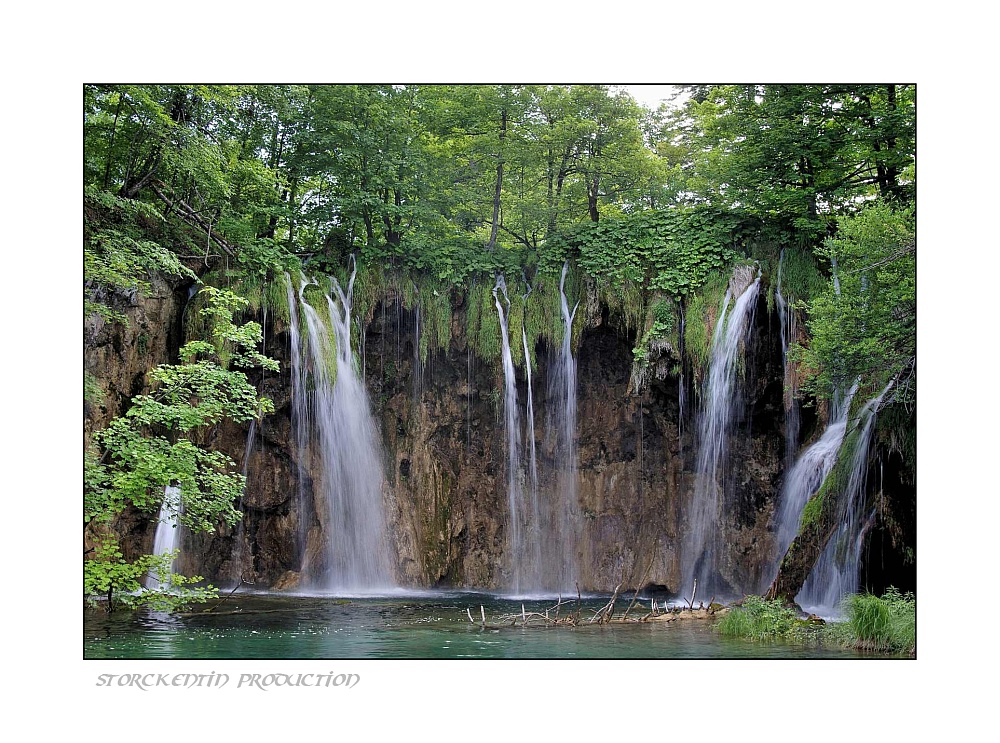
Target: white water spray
564 519
523 556
168 532
701 548
355 553
835 574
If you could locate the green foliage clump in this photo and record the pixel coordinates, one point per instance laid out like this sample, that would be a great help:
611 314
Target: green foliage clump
701 314
482 323
117 254
120 584
884 624
868 328
659 327
757 618
670 250
434 299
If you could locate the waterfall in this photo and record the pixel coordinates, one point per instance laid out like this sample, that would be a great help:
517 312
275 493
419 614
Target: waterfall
681 392
534 522
418 370
523 555
564 523
300 411
168 532
835 574
355 553
807 474
240 550
787 318
700 551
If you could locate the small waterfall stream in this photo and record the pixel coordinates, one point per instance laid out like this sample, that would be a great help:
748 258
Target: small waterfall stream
241 548
807 474
300 410
534 522
524 557
168 531
836 572
788 320
565 522
701 547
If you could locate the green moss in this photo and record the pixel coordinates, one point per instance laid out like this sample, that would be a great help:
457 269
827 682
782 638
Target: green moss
701 314
315 295
800 275
434 300
276 298
626 303
896 429
660 325
483 325
93 393
812 511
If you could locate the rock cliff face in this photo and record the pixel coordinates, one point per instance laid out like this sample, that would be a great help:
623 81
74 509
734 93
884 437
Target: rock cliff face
445 465
444 455
117 357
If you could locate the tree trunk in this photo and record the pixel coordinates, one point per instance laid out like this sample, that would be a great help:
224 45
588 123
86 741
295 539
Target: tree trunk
499 185
592 191
111 142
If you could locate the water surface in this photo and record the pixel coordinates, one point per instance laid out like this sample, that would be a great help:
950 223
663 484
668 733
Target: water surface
408 625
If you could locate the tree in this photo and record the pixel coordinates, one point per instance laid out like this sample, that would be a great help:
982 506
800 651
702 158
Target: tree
863 326
157 443
800 153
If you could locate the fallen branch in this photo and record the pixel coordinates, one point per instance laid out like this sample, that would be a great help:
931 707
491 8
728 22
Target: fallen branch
607 611
642 582
189 215
694 590
224 598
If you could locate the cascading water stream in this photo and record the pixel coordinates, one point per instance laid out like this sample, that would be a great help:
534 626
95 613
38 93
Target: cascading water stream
534 523
807 475
355 554
168 532
300 410
418 369
564 522
701 547
787 318
681 391
241 547
835 574
523 556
